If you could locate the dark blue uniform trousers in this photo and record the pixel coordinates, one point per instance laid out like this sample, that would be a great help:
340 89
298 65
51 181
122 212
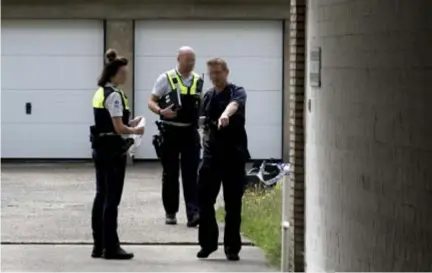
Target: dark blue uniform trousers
180 150
226 168
110 174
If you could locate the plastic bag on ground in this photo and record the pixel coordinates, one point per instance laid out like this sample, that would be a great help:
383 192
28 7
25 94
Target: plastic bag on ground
267 173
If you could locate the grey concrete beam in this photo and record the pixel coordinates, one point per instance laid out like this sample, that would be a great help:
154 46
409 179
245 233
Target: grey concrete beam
286 93
135 11
119 35
146 2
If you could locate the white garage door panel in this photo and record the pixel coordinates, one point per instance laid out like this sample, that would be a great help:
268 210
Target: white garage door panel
269 110
65 72
160 37
253 51
43 111
262 73
36 139
268 137
65 37
54 65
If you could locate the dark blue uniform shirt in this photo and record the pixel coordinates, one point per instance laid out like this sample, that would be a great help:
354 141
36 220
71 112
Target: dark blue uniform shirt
231 138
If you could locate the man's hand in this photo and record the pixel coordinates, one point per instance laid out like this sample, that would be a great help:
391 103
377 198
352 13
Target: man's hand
134 122
223 121
139 130
168 112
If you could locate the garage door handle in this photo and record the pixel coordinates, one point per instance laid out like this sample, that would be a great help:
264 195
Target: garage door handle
28 108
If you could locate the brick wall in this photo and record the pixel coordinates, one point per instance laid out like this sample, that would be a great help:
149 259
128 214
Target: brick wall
296 130
369 137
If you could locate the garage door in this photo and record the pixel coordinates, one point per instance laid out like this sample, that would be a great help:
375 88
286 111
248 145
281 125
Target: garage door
49 74
253 51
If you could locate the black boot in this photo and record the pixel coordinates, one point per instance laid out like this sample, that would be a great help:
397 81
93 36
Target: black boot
194 221
97 252
97 246
117 254
170 219
232 256
205 253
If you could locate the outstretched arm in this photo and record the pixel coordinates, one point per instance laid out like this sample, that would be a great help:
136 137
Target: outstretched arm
238 100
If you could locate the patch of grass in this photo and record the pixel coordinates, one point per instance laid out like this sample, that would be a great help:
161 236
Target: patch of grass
261 220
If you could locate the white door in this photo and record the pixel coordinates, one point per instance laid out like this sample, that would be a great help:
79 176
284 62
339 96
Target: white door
51 66
253 50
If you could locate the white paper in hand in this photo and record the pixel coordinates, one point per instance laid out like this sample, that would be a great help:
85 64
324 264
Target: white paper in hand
137 138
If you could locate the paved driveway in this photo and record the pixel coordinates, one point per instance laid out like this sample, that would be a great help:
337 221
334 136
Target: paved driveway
50 204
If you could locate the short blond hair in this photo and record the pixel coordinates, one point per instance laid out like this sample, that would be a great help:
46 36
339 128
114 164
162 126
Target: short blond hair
218 61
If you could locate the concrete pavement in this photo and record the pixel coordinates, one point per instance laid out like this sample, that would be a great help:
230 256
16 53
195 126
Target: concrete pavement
147 259
51 203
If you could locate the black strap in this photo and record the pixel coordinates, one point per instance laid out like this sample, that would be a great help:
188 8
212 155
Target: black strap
108 90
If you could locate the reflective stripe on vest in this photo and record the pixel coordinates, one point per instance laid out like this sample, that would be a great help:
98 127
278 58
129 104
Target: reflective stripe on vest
99 98
179 86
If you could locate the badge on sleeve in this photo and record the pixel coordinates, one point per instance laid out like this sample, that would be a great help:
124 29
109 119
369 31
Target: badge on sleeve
117 104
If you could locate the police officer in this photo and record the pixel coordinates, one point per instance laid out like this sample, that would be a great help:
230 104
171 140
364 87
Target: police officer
180 135
225 155
111 114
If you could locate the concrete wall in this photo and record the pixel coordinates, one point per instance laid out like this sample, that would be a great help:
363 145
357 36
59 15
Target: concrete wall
119 34
369 137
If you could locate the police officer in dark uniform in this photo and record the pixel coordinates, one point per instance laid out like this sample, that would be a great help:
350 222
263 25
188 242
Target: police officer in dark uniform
176 98
225 155
110 144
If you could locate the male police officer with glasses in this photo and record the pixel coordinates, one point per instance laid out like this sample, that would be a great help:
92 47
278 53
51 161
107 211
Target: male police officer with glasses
224 159
176 98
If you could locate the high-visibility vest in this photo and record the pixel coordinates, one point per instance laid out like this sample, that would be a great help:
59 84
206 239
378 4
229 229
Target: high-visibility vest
189 96
177 84
102 118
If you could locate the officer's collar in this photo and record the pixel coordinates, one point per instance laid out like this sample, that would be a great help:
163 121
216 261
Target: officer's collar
110 84
178 73
227 87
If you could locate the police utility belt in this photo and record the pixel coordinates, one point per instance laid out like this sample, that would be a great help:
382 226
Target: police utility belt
109 142
163 128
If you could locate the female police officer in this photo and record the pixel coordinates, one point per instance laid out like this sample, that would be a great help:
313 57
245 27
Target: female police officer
111 114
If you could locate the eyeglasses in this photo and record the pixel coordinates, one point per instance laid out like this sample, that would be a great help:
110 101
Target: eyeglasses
215 73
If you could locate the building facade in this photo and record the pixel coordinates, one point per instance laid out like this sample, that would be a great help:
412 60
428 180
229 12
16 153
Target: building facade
53 53
366 143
